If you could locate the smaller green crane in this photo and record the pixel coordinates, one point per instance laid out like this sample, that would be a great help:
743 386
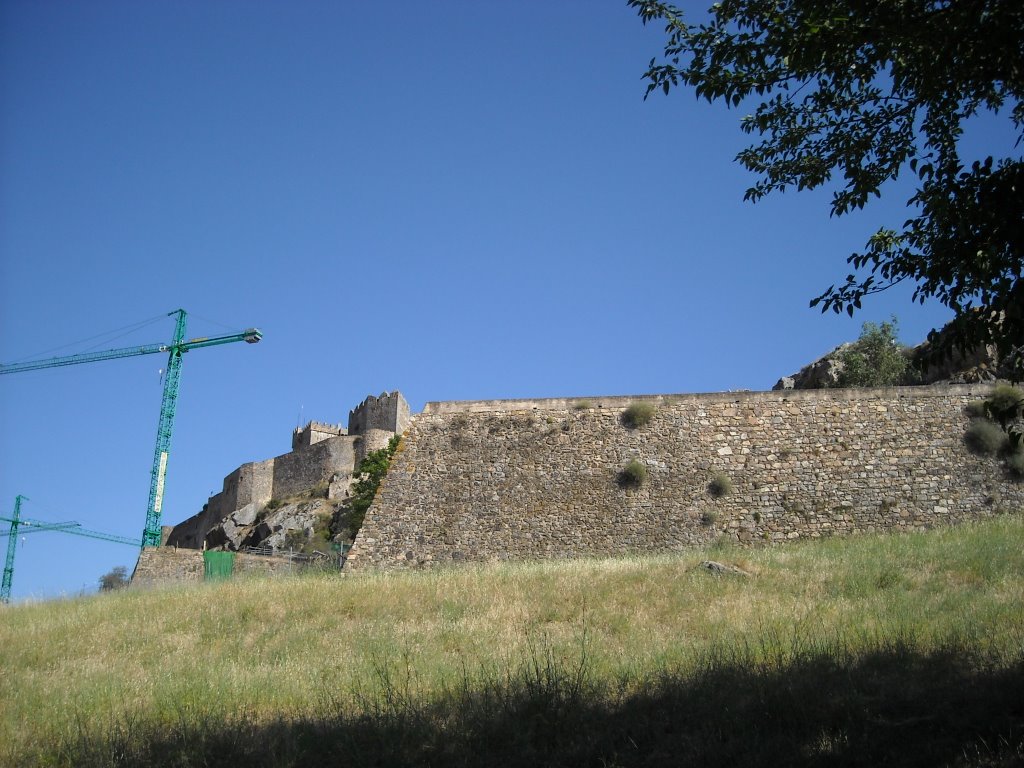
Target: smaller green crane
151 534
25 525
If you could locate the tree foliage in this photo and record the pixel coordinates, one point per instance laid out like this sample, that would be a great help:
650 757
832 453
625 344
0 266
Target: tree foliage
854 94
876 359
115 578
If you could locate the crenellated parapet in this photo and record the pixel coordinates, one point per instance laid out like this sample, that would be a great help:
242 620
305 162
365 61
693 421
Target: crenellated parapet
388 411
314 432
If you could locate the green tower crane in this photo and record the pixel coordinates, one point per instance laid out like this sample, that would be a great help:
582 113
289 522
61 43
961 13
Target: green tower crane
23 525
175 349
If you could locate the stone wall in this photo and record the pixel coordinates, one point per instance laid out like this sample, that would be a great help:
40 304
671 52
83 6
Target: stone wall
159 566
250 483
163 565
308 467
371 440
388 411
314 432
541 478
257 483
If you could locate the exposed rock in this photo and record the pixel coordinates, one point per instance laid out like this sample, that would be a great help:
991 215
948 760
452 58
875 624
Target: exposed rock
981 365
246 515
244 527
721 568
821 374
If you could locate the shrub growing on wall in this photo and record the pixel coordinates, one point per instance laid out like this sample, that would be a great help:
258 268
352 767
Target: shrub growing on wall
1015 461
1005 405
371 472
720 485
638 415
634 474
984 437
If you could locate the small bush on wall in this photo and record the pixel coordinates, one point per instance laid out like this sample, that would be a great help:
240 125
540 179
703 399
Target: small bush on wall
1005 404
720 485
1015 461
984 437
998 430
634 474
976 409
638 415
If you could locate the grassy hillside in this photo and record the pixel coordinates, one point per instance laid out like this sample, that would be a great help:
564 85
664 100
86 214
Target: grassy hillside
899 649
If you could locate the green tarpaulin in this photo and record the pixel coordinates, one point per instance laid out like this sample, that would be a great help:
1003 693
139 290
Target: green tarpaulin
218 565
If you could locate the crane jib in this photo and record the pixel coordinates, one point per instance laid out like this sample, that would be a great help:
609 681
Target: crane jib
152 533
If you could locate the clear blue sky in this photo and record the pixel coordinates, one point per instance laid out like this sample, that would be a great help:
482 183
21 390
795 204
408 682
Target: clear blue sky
461 200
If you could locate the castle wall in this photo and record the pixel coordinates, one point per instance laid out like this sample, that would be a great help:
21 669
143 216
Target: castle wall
314 432
191 533
162 565
541 478
389 411
251 483
308 467
371 440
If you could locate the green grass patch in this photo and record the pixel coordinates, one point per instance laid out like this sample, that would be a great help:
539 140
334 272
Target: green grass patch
902 650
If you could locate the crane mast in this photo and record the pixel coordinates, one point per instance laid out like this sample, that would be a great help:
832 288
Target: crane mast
151 535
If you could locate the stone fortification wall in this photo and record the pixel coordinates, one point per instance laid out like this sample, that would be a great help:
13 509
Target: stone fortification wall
314 432
161 565
308 467
169 565
541 478
371 440
388 411
250 483
256 483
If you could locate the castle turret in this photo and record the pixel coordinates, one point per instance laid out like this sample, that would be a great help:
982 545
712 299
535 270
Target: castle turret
387 412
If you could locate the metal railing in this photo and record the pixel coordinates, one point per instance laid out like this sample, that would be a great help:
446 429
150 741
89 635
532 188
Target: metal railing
287 554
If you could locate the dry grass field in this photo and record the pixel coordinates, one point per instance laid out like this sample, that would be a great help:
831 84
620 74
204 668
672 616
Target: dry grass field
906 650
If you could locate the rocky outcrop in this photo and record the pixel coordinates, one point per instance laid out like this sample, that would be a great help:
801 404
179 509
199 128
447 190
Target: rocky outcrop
823 373
289 525
979 366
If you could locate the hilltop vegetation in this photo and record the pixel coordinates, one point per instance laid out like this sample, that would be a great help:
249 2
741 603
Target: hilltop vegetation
899 649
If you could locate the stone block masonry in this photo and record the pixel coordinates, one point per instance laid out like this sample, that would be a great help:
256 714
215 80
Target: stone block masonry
314 432
159 566
387 411
542 478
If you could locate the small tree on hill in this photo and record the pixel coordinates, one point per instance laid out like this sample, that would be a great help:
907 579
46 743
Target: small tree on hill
876 359
115 578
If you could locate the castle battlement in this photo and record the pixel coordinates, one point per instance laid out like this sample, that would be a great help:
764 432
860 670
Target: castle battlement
388 411
314 432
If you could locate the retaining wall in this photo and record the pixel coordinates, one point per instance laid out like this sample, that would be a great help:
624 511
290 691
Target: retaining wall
522 479
170 565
